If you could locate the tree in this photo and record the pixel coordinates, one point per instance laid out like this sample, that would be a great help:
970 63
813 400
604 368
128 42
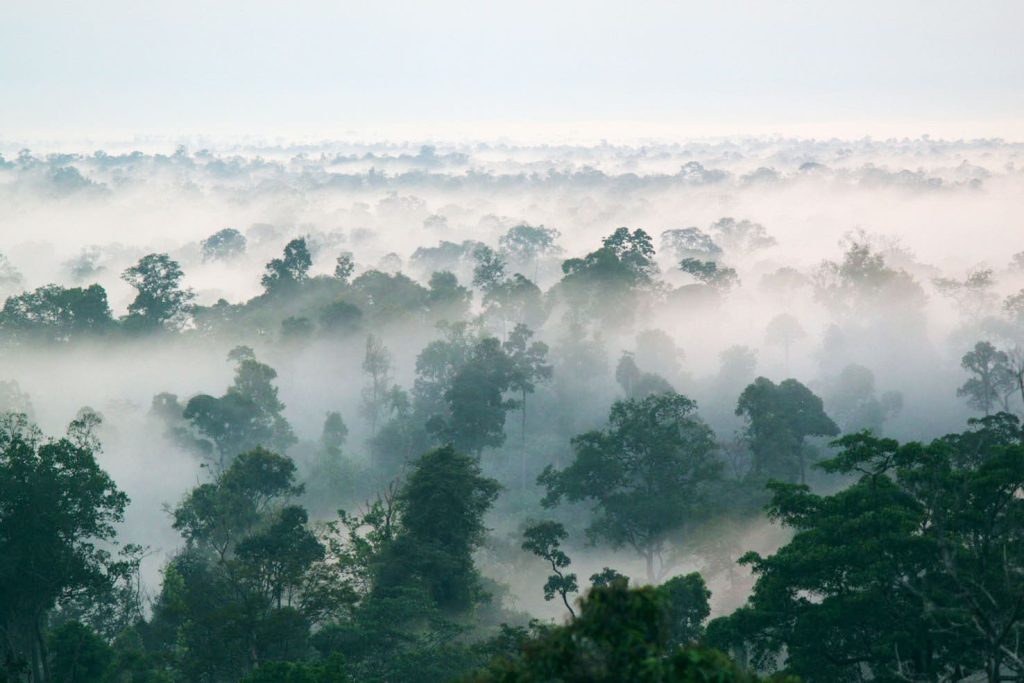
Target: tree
248 415
606 283
223 245
243 591
334 670
79 655
741 235
385 297
475 402
779 418
10 277
437 364
638 384
515 299
160 302
377 367
525 245
647 474
685 243
656 349
686 604
282 274
56 505
718 277
1013 305
489 270
544 539
915 569
340 316
992 380
333 436
344 267
853 401
56 314
442 507
529 360
862 283
447 299
627 373
783 330
621 634
972 296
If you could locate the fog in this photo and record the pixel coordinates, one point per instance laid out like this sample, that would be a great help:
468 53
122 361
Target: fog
934 210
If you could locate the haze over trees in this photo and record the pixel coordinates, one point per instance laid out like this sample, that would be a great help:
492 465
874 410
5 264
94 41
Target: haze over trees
377 413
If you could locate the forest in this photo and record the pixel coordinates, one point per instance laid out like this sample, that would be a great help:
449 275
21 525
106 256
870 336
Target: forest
733 411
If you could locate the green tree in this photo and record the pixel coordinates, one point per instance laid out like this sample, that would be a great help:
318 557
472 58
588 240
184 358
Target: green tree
442 507
779 418
915 569
56 314
223 245
992 380
437 364
160 302
606 284
344 267
647 474
79 655
244 590
853 401
783 330
686 604
544 539
377 366
685 243
475 402
710 273
333 670
489 270
282 274
248 415
524 245
531 367
621 634
56 506
447 299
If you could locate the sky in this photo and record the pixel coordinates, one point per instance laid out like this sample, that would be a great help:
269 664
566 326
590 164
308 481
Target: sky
476 67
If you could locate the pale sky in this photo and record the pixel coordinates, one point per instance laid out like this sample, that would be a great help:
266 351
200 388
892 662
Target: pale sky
296 68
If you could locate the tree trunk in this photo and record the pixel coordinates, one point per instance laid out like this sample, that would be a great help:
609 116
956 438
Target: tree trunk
522 454
39 651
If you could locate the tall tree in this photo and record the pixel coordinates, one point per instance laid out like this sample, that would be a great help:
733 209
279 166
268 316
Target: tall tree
243 590
56 506
248 415
783 330
377 367
991 381
606 283
913 573
648 474
160 302
531 367
621 634
544 539
223 245
56 314
475 402
442 507
282 274
524 245
779 419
